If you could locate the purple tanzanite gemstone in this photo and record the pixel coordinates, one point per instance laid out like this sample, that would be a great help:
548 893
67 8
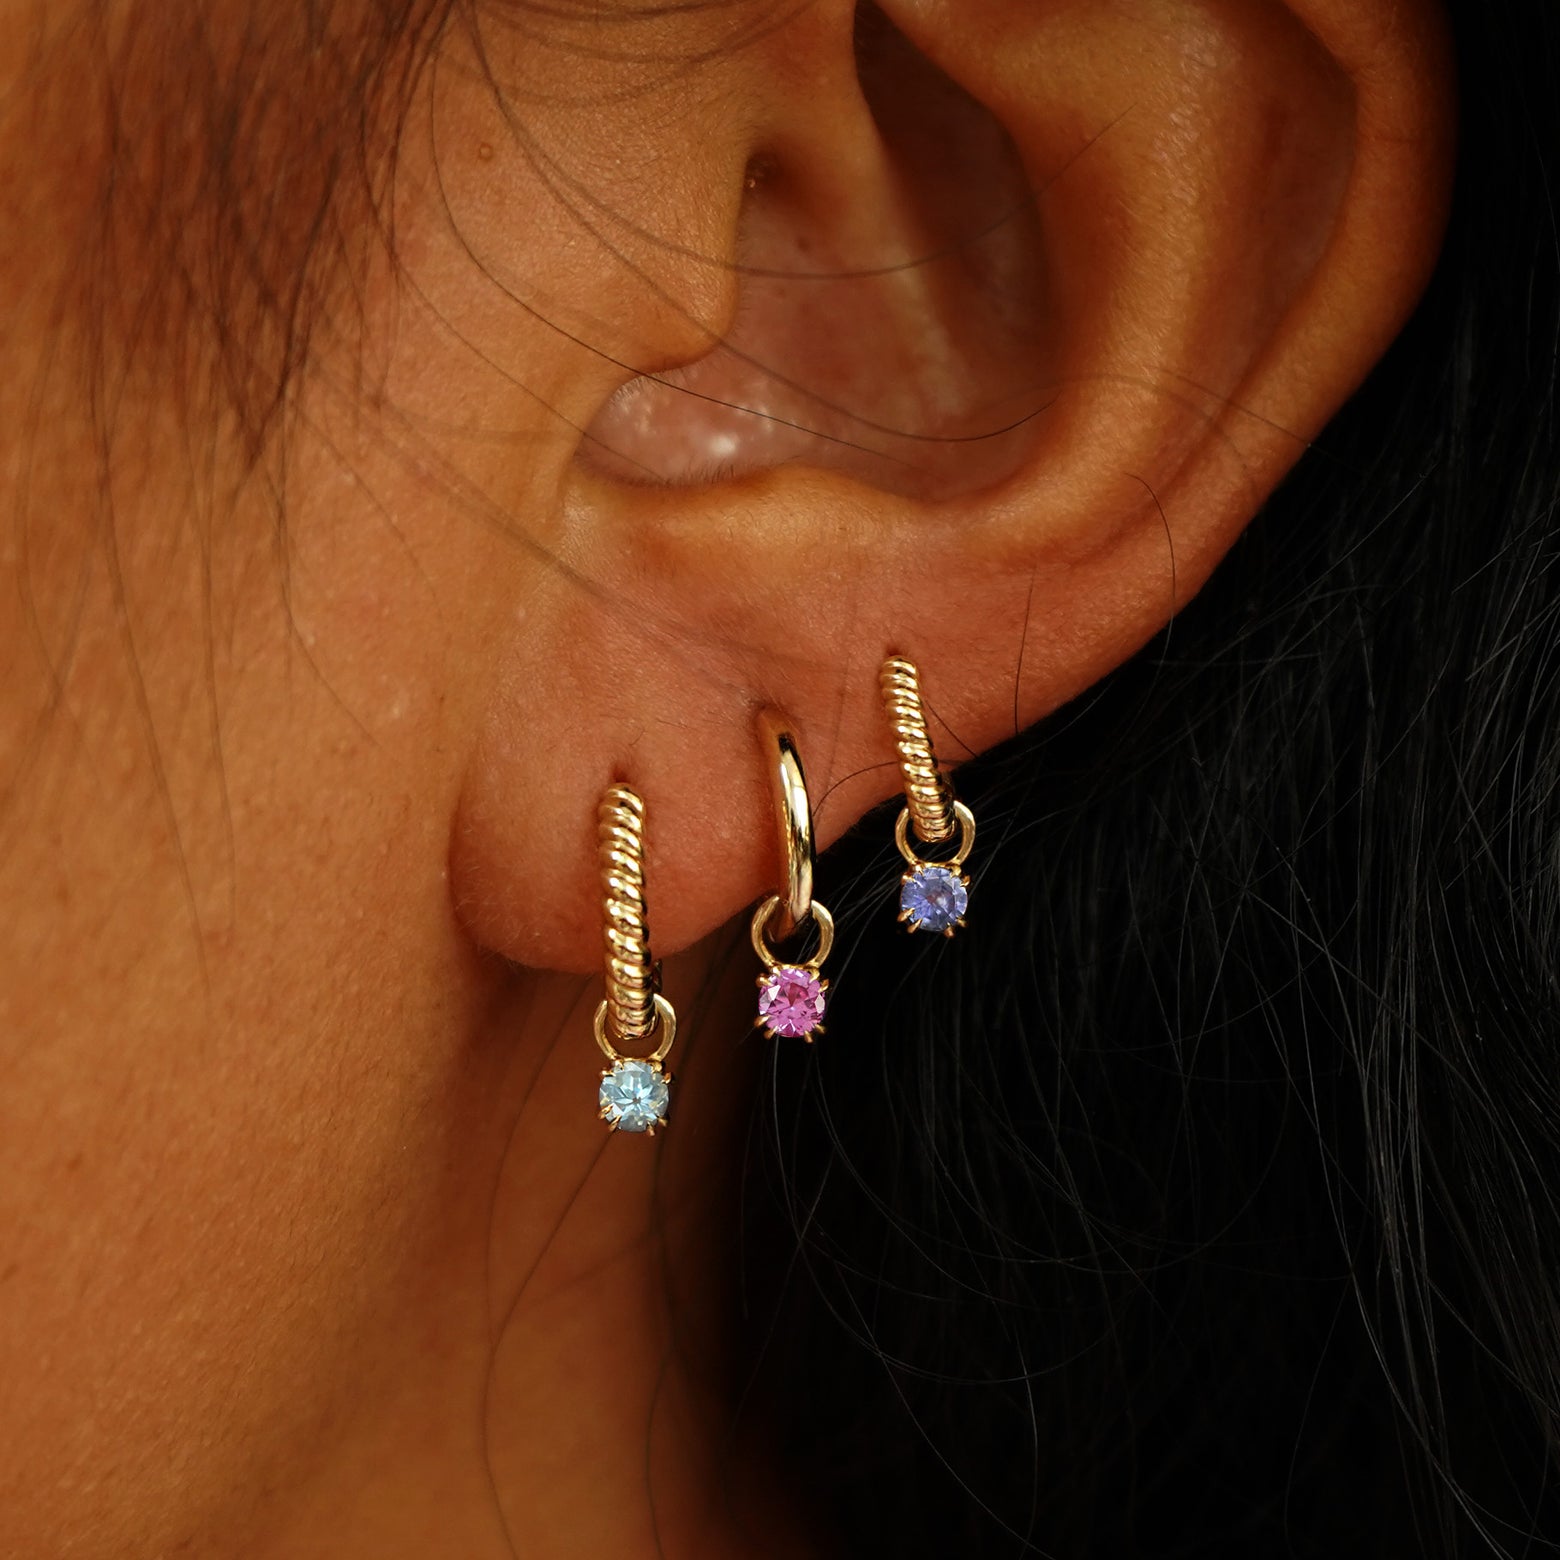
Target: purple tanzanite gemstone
933 899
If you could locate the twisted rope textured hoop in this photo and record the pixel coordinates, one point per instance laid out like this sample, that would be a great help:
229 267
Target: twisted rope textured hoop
630 974
926 792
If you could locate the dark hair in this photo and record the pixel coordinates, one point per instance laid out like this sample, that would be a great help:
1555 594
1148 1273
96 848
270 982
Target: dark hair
221 178
1204 1196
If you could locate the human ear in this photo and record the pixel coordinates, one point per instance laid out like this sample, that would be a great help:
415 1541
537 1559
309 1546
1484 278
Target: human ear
1025 309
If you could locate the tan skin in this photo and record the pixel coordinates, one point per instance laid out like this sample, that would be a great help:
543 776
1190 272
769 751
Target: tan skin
310 1240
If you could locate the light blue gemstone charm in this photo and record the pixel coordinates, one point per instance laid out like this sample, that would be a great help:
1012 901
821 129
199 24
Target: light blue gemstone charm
634 1096
634 1090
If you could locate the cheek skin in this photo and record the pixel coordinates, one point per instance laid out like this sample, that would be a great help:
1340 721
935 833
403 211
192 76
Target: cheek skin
246 1051
257 1082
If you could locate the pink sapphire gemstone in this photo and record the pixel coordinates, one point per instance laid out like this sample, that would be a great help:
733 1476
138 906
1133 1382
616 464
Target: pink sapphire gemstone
790 1000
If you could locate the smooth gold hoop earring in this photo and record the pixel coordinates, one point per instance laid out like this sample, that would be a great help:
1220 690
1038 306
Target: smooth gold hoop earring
634 1089
933 894
792 995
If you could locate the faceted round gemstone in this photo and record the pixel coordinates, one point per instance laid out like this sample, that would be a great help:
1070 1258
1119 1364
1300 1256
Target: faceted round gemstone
932 899
633 1096
790 1000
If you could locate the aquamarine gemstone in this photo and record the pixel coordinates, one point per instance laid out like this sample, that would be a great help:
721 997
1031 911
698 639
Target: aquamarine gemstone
933 899
634 1096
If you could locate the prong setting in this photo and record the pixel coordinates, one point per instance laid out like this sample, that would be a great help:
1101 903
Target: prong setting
791 1001
634 1095
933 898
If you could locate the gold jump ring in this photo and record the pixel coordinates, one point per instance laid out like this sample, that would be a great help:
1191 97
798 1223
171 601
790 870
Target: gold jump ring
666 1018
760 935
965 820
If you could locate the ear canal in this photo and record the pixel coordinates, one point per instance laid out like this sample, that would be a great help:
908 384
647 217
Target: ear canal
889 314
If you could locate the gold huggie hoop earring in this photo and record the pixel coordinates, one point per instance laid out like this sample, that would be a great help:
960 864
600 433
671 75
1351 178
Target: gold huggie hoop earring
791 996
933 895
634 1090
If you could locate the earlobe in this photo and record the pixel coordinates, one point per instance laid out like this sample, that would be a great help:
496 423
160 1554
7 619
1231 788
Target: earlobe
1229 210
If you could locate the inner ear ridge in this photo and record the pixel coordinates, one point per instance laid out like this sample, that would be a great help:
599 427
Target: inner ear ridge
890 320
